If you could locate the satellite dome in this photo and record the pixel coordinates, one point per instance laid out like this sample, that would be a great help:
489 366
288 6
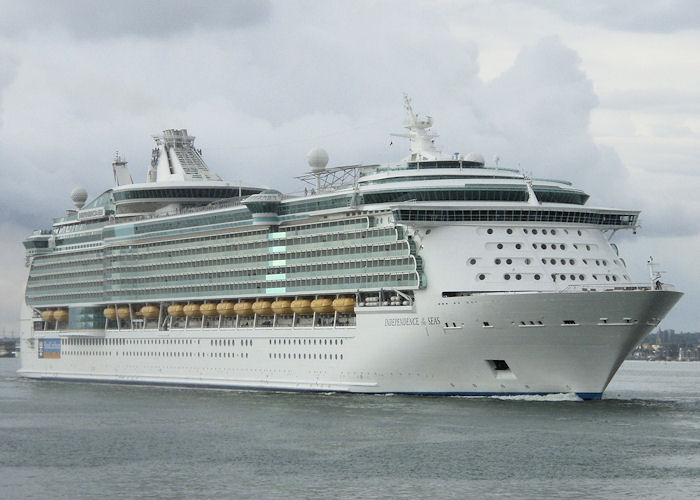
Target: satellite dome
475 158
318 159
78 196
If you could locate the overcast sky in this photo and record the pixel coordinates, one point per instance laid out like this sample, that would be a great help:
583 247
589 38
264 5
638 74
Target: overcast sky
605 94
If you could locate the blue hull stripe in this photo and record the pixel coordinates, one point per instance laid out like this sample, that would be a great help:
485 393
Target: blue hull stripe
582 395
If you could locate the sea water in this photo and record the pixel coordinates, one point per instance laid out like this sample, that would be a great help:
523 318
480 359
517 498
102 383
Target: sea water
84 440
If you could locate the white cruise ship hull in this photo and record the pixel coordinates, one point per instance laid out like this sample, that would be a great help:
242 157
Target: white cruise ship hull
480 344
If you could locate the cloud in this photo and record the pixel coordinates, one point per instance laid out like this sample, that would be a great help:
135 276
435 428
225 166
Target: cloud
657 16
146 18
658 100
536 116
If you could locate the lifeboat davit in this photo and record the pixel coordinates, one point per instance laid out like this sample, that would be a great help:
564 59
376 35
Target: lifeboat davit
110 313
192 311
322 305
243 308
209 309
263 308
176 311
226 309
345 305
282 307
150 312
301 306
47 315
123 313
60 314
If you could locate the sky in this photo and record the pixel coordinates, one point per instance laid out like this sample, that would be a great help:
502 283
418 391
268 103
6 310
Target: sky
604 94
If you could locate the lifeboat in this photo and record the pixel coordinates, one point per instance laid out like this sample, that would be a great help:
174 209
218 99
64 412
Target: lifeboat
192 311
123 313
263 308
209 309
60 314
110 313
150 312
226 309
282 307
322 305
301 306
243 308
47 315
345 305
176 311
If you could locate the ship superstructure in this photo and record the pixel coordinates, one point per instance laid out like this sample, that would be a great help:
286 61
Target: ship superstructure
437 274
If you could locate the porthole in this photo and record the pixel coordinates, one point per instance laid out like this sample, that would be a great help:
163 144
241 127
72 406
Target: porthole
554 247
552 261
553 231
482 277
518 246
573 277
563 261
472 261
607 277
506 276
489 231
595 277
588 247
509 231
537 277
500 246
572 261
579 232
543 246
509 261
527 261
518 277
614 277
544 231
534 245
562 277
524 230
562 247
534 231
544 261
597 262
605 262
581 277
497 261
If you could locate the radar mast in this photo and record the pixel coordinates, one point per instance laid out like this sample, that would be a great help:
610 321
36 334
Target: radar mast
422 142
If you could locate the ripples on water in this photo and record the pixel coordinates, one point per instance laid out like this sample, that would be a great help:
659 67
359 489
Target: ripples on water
78 440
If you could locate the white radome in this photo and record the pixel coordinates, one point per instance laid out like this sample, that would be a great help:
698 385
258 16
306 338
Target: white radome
317 159
78 196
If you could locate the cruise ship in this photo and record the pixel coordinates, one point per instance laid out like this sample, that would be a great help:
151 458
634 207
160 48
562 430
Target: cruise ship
438 274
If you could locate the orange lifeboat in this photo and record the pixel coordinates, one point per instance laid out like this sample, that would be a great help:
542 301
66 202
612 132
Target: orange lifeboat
243 308
110 313
226 309
60 314
301 306
263 308
209 309
345 305
47 315
192 311
123 313
282 307
176 311
150 312
322 305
